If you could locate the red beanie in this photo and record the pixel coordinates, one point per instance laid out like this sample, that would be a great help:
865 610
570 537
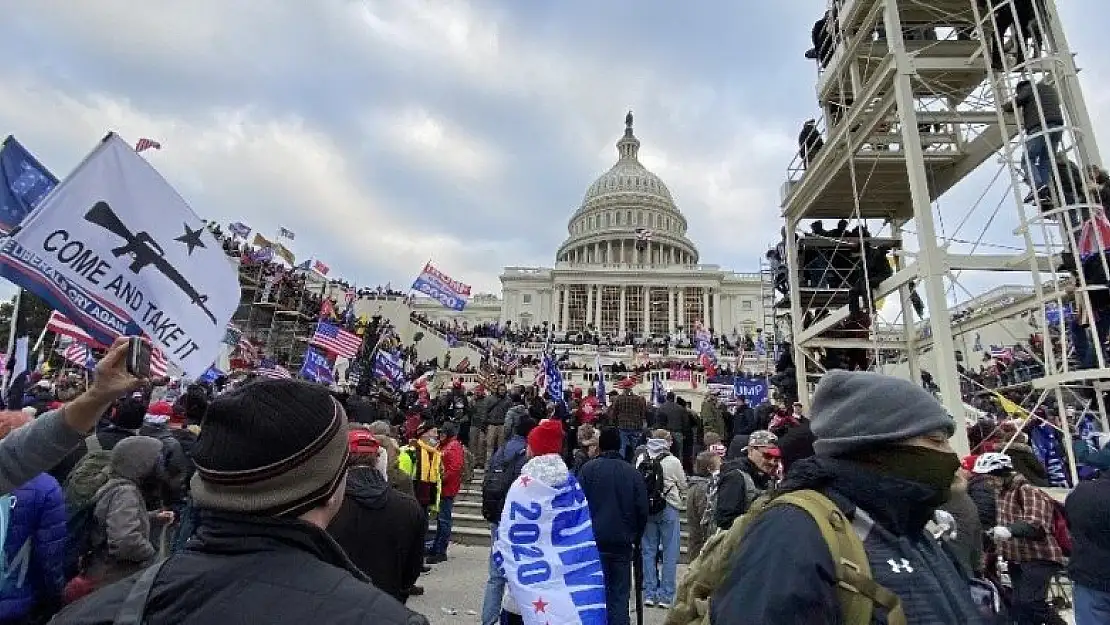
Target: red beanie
546 438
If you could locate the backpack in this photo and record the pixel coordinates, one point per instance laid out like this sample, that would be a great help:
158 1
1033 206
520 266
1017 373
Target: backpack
80 496
496 484
652 471
857 591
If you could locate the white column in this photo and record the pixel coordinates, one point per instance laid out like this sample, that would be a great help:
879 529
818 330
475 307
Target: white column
564 324
609 251
670 310
589 303
717 317
647 311
624 310
648 250
597 302
682 307
705 318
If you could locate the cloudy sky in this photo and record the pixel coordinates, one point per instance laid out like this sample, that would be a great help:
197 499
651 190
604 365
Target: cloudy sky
388 132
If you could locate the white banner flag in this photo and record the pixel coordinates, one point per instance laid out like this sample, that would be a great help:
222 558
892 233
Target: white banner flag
545 547
118 251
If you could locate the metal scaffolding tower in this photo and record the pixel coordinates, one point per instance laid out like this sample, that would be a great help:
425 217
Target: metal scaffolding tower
913 99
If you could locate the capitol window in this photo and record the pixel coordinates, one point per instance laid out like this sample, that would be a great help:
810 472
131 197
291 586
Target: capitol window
746 304
527 298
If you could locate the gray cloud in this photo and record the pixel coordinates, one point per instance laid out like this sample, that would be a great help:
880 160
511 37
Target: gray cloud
387 132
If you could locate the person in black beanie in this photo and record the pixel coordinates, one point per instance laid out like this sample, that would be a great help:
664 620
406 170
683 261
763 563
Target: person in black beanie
271 466
618 501
796 444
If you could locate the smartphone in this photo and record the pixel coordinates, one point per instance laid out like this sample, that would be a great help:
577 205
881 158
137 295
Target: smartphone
138 357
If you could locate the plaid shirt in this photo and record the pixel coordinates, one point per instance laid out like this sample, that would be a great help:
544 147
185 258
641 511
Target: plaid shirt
629 411
1025 502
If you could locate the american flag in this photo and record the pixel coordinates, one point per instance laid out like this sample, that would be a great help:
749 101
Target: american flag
463 365
79 354
286 233
320 268
159 366
335 340
144 144
643 234
273 371
61 325
1001 353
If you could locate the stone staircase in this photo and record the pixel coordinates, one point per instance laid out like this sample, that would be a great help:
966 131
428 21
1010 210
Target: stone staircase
469 528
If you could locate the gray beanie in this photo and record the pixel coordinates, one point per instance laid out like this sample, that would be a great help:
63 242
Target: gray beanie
135 457
860 409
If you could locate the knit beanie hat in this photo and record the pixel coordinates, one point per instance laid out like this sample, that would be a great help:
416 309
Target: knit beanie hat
270 448
855 410
136 456
609 439
546 438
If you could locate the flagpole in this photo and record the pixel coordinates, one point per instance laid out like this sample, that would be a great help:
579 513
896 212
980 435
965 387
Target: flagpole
38 343
13 324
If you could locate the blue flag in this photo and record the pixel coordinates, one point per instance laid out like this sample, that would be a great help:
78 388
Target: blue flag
316 367
23 183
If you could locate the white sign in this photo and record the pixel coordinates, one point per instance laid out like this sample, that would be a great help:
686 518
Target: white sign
118 251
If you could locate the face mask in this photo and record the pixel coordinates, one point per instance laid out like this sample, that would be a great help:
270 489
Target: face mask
928 467
431 442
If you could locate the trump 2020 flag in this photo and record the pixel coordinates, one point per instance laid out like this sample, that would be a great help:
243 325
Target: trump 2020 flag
545 548
118 251
442 288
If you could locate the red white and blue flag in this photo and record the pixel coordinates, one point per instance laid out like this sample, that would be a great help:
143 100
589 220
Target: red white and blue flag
335 340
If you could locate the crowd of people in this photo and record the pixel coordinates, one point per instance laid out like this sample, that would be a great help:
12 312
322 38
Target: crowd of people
284 500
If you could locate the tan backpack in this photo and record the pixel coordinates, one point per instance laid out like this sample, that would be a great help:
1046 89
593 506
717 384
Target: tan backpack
858 592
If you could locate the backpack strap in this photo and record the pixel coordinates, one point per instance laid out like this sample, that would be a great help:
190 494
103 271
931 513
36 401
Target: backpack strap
857 590
133 609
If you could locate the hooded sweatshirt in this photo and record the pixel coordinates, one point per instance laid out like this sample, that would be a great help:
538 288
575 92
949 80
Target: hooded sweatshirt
121 539
674 477
382 531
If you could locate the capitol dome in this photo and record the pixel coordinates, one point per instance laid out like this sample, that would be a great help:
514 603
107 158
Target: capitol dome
628 216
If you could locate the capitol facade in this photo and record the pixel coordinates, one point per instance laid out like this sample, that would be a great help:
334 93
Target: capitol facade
626 267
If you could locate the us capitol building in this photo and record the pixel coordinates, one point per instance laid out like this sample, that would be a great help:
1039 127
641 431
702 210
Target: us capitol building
626 266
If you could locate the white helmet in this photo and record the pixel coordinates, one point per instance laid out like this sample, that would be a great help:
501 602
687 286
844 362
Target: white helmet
991 462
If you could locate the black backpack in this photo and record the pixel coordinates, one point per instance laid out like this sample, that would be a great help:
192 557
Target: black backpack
652 470
496 484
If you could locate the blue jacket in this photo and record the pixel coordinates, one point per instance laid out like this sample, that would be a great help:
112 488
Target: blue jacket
512 447
35 548
618 502
783 572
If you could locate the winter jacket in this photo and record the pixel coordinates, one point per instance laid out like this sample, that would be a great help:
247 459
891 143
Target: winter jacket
618 501
711 419
513 416
480 414
35 550
743 422
453 459
697 501
121 539
986 500
967 547
1088 511
782 571
497 409
34 448
740 483
1026 463
250 569
675 417
106 438
1026 103
382 531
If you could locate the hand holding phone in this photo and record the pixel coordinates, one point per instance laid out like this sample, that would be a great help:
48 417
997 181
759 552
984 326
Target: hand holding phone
138 357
